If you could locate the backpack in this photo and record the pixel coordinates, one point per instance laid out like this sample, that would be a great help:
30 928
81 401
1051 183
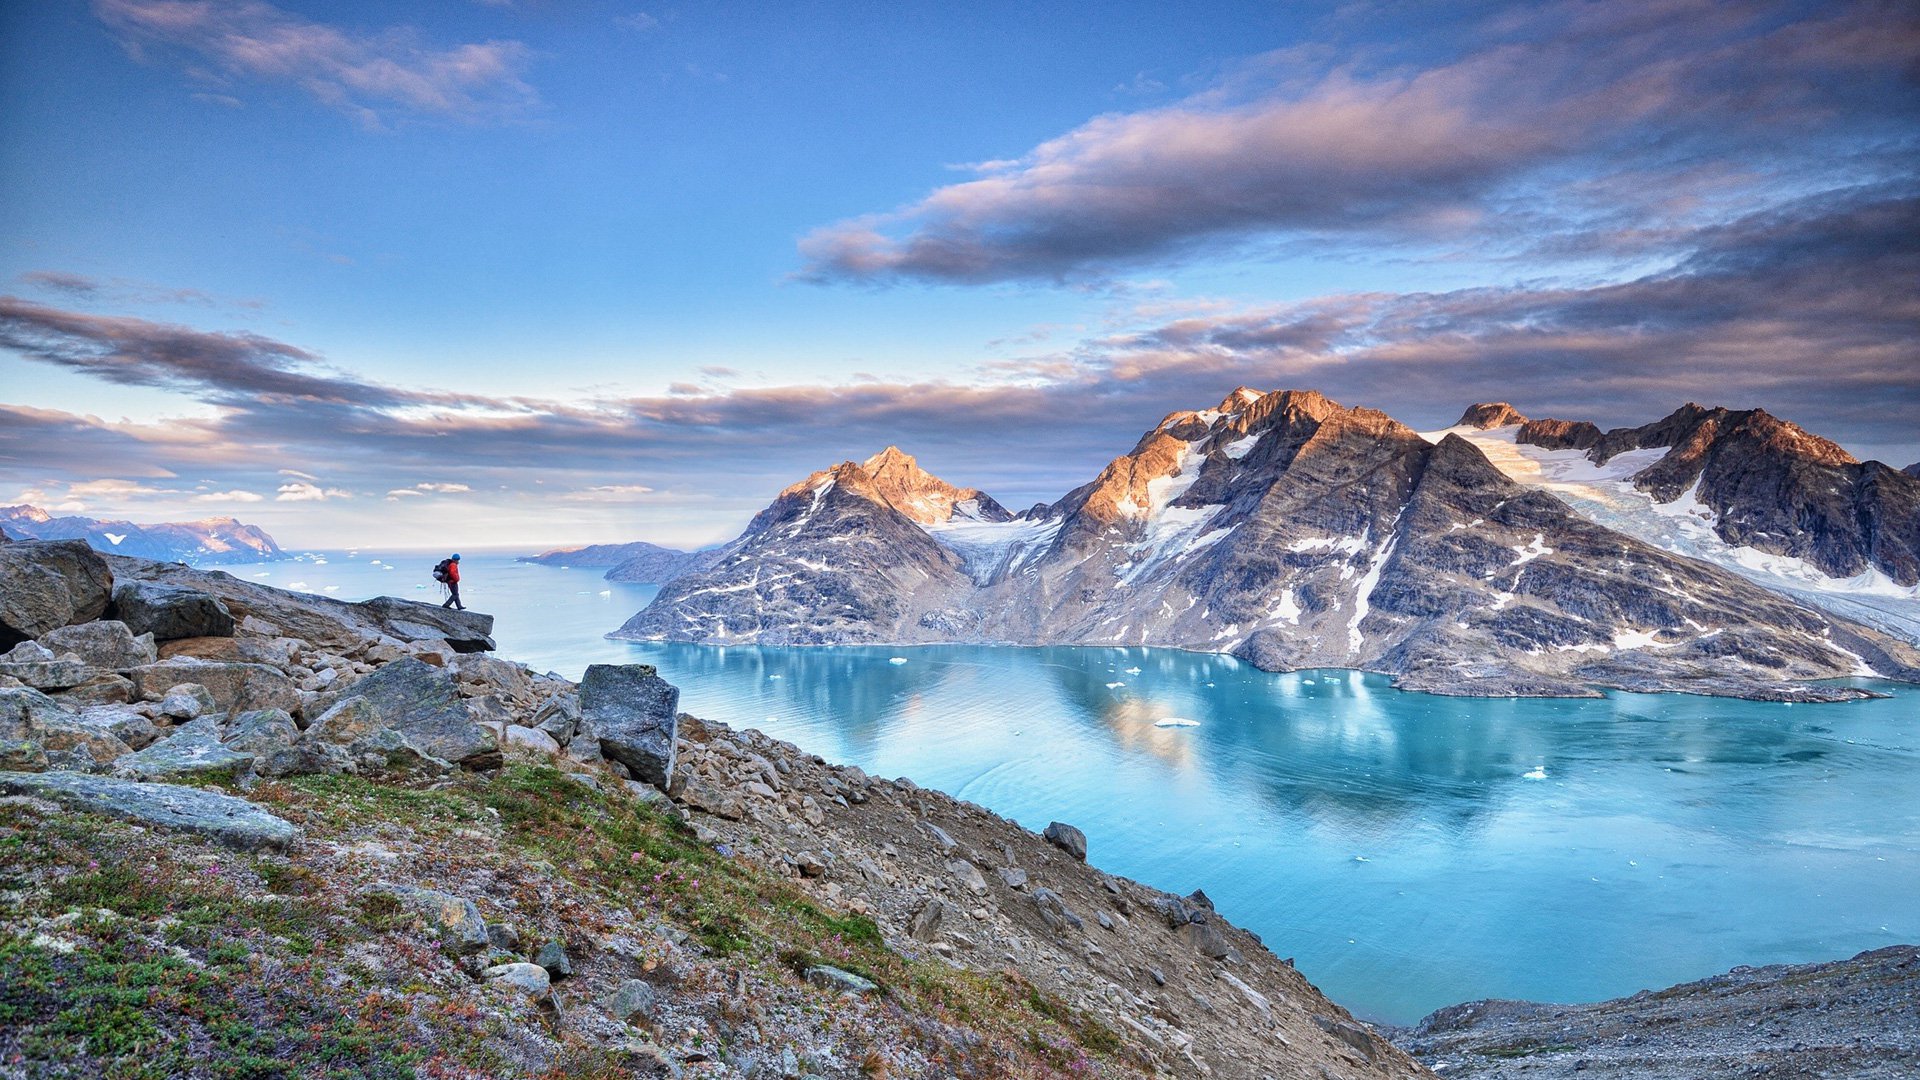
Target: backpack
440 571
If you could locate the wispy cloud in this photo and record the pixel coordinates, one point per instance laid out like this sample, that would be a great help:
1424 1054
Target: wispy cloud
373 76
1568 118
301 491
81 287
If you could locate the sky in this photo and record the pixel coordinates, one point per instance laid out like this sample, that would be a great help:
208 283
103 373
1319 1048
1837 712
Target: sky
481 273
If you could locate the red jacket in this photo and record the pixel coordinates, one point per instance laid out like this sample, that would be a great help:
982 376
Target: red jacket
453 573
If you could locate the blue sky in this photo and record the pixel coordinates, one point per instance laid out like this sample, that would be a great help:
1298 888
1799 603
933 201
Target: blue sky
622 271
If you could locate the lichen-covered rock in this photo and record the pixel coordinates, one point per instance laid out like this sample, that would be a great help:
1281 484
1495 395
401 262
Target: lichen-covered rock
261 732
170 611
530 978
455 919
47 584
187 701
422 703
37 666
194 750
105 688
636 1002
232 821
530 739
39 728
633 713
559 717
828 977
103 643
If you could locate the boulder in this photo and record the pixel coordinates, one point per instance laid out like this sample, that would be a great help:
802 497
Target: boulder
828 977
553 957
636 1002
261 732
187 701
235 687
232 821
927 922
455 919
491 675
170 611
127 725
105 688
1055 912
530 978
559 717
353 736
1067 839
104 643
307 757
37 666
531 739
274 652
36 728
194 750
421 702
634 714
47 584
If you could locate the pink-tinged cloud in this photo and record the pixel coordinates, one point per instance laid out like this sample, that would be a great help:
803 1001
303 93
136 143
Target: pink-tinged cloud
1480 147
372 76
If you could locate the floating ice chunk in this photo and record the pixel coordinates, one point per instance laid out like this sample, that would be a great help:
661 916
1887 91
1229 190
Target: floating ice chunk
606 592
896 660
1115 685
1361 858
776 676
1176 721
1133 671
1538 772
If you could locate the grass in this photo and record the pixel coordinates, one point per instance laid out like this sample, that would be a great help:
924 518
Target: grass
212 963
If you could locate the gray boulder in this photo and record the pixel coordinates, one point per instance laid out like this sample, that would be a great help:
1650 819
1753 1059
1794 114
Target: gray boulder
47 584
104 643
105 688
421 702
127 725
553 957
169 612
232 821
194 750
828 977
559 717
39 667
529 978
1055 912
634 714
261 732
1067 839
38 732
635 1002
187 701
410 620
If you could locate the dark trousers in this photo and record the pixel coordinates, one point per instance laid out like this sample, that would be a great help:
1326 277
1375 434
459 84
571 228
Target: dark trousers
453 600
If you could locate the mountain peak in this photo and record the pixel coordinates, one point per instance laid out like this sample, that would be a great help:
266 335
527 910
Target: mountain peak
1491 414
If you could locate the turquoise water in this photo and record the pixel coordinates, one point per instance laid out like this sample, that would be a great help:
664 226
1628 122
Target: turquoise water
1409 851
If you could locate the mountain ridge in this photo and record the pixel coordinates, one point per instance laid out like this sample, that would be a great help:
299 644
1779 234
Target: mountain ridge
1292 532
208 541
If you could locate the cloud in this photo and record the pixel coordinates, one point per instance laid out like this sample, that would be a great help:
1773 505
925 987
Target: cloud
75 285
1793 309
371 76
116 490
233 496
122 290
609 493
301 491
639 22
443 488
1564 119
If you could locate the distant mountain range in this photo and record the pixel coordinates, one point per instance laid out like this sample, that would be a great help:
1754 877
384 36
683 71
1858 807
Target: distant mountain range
208 542
1295 532
637 562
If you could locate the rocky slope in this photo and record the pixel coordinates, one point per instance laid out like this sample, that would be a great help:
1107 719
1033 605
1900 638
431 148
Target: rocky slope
269 835
208 542
1765 484
1857 1018
1291 531
638 561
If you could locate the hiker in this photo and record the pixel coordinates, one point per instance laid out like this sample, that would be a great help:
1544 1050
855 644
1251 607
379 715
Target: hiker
447 572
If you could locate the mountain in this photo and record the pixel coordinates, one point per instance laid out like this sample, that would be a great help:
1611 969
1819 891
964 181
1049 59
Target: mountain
638 561
208 542
1290 531
1746 490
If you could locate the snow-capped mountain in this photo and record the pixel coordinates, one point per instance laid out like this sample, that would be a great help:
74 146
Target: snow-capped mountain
208 542
1286 529
1743 490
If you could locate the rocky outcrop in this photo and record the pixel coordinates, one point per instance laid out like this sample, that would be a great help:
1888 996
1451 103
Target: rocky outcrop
48 584
1559 434
170 612
207 542
422 703
1293 532
1769 485
1490 414
1848 1018
231 821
